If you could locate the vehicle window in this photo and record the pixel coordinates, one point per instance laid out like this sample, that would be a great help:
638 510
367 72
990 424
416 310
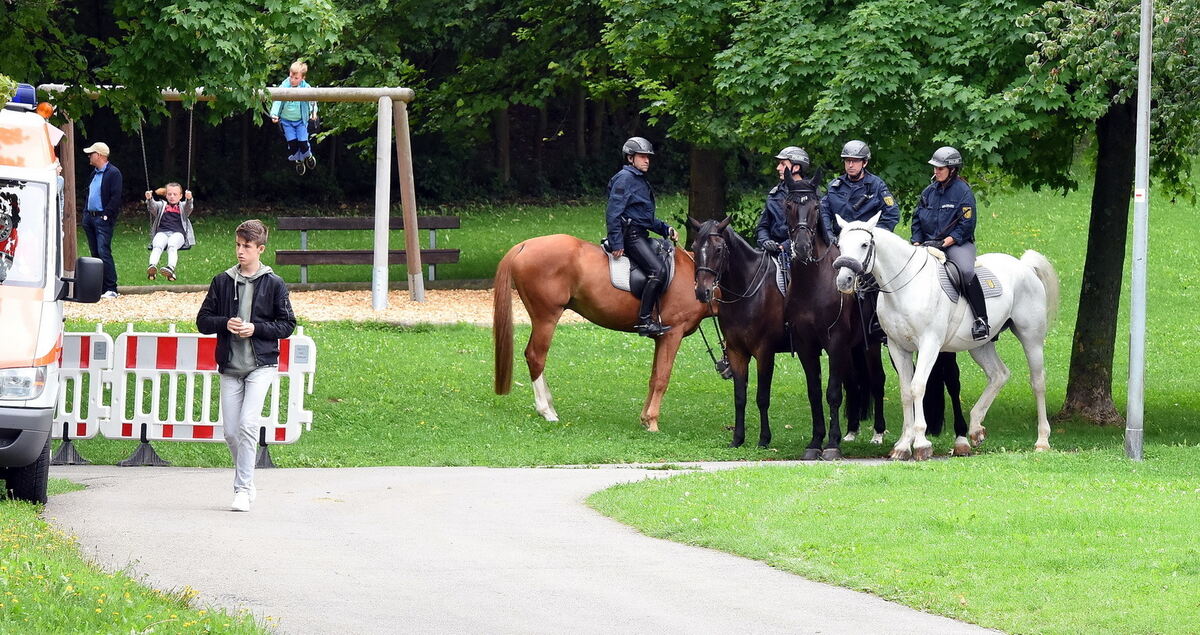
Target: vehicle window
23 214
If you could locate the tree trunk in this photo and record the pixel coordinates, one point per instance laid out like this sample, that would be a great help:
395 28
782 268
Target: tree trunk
706 185
581 124
597 127
503 146
1089 385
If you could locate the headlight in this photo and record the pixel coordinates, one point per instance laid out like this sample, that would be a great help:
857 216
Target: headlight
22 383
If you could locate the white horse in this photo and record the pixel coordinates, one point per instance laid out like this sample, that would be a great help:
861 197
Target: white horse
918 317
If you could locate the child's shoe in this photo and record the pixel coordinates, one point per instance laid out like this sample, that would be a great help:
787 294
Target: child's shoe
151 272
168 273
304 155
295 156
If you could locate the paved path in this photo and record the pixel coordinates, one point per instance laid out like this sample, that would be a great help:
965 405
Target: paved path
461 550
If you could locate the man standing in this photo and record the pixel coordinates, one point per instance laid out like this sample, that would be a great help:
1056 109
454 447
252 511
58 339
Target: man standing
100 212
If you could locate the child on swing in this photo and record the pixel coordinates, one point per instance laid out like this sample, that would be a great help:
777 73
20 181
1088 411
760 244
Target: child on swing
170 229
294 116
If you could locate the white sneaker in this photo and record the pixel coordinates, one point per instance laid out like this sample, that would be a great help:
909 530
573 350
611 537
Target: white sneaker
108 295
241 502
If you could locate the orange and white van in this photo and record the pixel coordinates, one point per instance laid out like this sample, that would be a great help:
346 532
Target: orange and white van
32 290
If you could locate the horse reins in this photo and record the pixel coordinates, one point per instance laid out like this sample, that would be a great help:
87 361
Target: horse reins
867 262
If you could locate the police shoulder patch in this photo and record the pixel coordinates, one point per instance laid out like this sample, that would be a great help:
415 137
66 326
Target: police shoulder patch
619 189
887 200
967 212
835 183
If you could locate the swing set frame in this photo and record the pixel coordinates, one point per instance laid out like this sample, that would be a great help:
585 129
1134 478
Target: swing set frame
392 109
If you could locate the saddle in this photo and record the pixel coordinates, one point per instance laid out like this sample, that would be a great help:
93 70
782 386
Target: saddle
627 277
952 283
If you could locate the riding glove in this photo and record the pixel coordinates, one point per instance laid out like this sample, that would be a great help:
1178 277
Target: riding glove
770 246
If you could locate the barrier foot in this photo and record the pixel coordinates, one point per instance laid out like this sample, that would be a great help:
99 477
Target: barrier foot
263 459
144 455
68 455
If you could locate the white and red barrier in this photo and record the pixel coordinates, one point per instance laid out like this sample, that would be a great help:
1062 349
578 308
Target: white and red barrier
84 356
166 387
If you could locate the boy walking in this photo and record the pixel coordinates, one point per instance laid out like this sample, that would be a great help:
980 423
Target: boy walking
247 307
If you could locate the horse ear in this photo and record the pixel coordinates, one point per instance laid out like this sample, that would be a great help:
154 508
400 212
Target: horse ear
693 223
875 219
839 222
725 223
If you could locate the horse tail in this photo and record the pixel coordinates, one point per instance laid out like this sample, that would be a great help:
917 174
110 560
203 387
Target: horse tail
1045 272
502 325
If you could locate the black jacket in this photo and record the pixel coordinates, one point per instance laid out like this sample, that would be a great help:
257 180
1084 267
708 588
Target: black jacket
270 311
112 185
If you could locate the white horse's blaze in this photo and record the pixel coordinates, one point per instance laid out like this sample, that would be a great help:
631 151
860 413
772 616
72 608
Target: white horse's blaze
918 318
542 399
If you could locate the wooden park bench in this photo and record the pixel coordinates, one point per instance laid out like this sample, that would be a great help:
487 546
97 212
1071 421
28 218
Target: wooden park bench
305 256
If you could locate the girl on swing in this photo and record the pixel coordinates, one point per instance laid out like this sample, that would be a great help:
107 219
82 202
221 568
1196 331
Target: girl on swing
170 228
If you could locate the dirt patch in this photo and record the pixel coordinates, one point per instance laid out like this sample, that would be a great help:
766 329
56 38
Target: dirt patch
440 307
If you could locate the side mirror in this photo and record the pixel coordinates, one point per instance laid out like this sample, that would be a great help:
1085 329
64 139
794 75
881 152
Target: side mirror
89 281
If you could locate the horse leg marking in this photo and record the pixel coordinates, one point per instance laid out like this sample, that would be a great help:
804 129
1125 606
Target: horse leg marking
542 400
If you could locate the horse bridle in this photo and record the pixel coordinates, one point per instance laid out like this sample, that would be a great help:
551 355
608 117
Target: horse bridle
864 267
760 273
802 225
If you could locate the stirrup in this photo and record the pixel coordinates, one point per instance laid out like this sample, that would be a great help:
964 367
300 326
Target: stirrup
979 330
651 329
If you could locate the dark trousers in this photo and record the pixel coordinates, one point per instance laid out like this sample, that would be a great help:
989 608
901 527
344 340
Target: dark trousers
641 251
99 237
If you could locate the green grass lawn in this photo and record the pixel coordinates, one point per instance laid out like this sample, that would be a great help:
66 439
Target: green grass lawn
1028 543
47 587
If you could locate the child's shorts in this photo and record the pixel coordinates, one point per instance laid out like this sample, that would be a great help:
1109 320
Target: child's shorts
294 130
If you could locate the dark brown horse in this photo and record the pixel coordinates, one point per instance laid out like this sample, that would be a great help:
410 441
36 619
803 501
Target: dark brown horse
559 272
741 281
819 320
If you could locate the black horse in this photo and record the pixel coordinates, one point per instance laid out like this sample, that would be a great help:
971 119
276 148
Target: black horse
818 319
749 313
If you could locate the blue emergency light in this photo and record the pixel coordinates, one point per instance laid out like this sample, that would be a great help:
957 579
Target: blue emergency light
24 99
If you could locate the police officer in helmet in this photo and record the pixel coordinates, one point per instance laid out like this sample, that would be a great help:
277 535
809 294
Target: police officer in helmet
945 219
772 230
630 217
857 194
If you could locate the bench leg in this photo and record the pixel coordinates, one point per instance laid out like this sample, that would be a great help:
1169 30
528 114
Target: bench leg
433 245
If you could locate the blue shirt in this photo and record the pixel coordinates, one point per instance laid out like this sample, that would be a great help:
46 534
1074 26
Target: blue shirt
630 199
945 210
94 203
772 223
859 200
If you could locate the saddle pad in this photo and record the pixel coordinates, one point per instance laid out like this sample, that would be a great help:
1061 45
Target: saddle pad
780 273
987 280
618 269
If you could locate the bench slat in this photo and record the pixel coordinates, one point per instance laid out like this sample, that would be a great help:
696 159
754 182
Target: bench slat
307 223
360 257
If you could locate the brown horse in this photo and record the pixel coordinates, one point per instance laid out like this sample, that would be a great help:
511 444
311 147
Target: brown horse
554 273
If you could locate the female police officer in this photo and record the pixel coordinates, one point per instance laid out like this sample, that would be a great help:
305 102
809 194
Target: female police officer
772 229
630 216
945 219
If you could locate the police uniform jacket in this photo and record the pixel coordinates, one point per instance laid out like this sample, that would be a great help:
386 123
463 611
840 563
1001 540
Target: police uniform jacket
859 200
945 210
630 200
772 223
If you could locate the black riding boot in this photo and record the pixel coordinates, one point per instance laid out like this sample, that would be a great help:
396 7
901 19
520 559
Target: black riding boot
647 325
979 329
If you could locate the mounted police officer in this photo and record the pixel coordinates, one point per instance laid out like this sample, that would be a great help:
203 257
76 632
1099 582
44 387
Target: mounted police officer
630 218
858 195
772 228
945 219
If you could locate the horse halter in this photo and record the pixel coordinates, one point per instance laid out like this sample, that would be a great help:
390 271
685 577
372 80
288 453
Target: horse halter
802 225
853 264
722 251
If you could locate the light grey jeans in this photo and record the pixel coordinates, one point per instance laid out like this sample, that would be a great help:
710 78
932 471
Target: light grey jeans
241 414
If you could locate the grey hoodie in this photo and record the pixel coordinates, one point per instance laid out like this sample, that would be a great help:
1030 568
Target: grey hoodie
241 351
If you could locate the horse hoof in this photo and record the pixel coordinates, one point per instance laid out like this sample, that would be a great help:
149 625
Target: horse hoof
978 436
900 454
877 439
736 444
549 415
1041 447
961 448
923 453
831 454
811 454
850 436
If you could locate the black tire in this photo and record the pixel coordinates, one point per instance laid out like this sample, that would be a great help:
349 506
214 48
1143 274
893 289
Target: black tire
311 162
300 169
29 483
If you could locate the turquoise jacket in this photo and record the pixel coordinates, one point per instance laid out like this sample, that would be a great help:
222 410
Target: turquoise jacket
307 108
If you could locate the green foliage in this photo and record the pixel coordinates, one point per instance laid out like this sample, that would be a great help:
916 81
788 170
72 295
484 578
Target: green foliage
1085 59
8 88
1024 543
